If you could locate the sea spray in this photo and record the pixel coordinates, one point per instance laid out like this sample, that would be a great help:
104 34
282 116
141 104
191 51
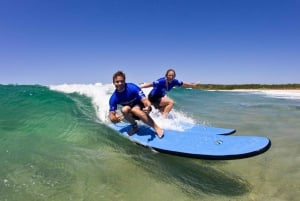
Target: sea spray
100 93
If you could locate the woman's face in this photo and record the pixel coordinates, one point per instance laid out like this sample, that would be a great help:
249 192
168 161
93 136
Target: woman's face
170 76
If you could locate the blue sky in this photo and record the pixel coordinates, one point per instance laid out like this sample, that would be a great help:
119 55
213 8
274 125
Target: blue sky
208 41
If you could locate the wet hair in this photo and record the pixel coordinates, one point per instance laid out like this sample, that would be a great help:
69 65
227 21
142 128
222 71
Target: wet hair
119 73
169 70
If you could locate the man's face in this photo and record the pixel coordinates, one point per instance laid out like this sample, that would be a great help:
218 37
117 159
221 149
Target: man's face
119 83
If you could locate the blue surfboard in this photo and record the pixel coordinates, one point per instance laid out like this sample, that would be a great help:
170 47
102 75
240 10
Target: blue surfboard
205 129
197 142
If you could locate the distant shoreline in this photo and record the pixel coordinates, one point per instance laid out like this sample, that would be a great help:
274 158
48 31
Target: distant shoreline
248 87
230 87
267 91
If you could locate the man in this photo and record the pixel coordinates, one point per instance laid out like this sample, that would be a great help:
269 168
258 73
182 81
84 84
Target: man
135 105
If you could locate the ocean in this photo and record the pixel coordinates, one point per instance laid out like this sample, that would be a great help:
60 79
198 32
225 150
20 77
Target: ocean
55 145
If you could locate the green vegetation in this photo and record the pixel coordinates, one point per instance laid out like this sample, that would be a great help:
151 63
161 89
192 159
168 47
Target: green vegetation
246 86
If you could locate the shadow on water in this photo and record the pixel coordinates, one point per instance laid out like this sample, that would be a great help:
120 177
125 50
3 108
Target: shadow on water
194 176
197 178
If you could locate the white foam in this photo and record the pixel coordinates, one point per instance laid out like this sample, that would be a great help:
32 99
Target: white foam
285 94
100 94
274 93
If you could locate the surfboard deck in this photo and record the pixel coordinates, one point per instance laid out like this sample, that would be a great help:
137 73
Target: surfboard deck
210 130
197 142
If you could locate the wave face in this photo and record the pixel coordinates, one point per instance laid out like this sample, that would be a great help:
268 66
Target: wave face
55 145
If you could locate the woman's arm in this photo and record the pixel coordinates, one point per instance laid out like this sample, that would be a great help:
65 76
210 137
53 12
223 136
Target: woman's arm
190 84
146 85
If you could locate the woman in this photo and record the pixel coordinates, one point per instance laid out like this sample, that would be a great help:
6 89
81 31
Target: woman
157 95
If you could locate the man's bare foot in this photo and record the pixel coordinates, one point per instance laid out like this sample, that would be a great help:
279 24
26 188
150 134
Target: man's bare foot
159 132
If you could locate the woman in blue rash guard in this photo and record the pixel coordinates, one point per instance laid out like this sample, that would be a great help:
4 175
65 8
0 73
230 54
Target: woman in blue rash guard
157 95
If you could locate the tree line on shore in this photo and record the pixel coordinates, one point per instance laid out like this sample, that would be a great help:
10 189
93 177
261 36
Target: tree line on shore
246 86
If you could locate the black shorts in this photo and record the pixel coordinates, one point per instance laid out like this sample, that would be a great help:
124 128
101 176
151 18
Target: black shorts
141 105
155 100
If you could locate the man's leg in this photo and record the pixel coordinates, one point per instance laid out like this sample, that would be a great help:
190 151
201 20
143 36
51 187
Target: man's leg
126 110
136 110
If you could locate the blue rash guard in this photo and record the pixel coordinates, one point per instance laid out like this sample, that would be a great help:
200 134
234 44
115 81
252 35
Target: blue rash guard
160 87
131 96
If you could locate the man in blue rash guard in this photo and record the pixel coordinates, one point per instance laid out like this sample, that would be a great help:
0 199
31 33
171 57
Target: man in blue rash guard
134 102
157 95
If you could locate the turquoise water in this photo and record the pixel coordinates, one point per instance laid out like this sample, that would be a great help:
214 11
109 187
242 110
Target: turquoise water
55 145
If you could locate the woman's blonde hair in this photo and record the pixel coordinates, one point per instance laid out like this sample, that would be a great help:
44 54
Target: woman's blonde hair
169 70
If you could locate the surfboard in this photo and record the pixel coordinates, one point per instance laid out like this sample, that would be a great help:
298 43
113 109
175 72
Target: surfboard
205 129
197 142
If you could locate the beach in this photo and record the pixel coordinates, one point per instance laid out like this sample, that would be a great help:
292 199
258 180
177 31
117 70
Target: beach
273 91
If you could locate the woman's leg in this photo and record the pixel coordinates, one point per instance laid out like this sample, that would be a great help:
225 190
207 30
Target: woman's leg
166 105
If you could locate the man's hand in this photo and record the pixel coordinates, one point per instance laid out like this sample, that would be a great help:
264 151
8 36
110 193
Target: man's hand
147 109
116 118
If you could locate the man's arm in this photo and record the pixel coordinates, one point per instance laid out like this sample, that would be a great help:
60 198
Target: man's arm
147 105
114 117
